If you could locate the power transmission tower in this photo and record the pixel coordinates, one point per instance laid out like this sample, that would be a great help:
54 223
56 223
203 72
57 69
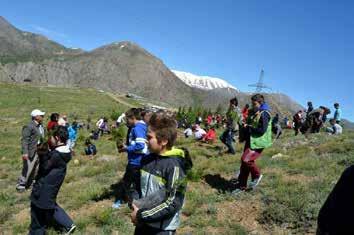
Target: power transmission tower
260 84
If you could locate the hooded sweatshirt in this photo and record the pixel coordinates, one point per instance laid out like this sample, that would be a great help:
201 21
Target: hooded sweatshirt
163 183
51 174
137 147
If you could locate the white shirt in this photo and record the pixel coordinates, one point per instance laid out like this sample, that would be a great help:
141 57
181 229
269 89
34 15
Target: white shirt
188 132
199 133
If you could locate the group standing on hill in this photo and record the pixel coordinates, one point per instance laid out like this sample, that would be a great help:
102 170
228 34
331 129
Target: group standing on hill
154 182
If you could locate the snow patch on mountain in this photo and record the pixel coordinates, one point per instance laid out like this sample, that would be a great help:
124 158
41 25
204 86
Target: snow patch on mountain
202 82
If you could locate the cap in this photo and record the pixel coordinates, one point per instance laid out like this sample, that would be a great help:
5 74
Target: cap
37 112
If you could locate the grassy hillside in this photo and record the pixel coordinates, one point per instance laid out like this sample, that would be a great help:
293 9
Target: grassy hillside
294 186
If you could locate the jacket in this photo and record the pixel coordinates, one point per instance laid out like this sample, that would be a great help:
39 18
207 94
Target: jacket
137 147
51 174
32 135
166 174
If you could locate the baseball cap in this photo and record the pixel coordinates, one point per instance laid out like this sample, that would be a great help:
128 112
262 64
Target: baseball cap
37 112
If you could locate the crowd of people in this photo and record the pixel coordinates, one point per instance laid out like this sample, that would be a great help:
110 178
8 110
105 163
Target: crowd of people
154 182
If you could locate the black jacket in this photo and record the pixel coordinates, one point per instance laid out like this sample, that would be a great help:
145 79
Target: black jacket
51 174
336 215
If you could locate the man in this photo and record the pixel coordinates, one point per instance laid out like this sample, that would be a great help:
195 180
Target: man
32 137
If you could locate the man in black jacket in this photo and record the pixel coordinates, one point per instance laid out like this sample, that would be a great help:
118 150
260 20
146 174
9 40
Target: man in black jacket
45 211
32 136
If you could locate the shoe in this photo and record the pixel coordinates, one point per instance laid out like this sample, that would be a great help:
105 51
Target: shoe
237 191
20 188
71 229
253 184
117 204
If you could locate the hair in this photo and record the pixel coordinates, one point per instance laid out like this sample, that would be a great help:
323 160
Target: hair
234 101
309 103
62 133
247 106
165 128
87 141
54 117
134 113
332 120
258 98
336 105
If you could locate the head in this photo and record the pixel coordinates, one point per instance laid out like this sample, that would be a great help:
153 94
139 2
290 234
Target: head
233 102
247 106
75 125
309 104
336 105
59 136
332 121
146 115
133 115
162 133
87 142
54 117
257 101
37 115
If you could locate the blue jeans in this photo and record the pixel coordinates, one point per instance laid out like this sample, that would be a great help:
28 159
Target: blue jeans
227 139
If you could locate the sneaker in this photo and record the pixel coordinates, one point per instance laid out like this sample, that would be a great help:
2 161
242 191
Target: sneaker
253 184
117 204
237 191
71 229
20 188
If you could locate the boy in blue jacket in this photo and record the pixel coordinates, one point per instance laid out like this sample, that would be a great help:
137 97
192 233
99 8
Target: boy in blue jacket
136 149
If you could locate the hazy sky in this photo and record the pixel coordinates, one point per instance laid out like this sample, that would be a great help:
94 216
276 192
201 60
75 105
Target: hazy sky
305 47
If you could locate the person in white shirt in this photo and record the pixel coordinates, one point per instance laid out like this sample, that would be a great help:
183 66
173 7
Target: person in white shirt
335 128
199 133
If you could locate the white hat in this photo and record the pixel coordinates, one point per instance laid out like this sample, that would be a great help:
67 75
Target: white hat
37 112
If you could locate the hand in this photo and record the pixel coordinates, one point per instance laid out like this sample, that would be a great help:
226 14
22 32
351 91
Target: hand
133 214
122 149
25 156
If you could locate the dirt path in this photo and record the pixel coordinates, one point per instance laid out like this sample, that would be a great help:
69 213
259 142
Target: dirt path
119 100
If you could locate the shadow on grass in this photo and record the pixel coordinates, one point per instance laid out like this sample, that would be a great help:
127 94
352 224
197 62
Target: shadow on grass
221 184
115 190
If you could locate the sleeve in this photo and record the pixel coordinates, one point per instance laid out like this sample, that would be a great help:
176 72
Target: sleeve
174 199
262 125
139 140
26 135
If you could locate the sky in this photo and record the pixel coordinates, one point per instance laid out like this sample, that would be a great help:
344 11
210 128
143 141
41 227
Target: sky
306 48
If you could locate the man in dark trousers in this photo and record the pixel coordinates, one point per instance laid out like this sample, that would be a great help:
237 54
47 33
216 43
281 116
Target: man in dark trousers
32 136
45 212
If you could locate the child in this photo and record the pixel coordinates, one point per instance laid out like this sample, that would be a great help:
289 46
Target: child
162 174
210 136
199 133
259 136
335 128
90 149
188 132
54 118
51 174
136 150
233 119
337 113
72 129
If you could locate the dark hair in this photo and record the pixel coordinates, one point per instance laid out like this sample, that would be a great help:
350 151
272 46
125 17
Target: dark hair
336 105
309 103
247 106
133 113
165 128
87 141
54 117
62 133
234 101
258 98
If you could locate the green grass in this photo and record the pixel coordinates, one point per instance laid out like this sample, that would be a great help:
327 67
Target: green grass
287 200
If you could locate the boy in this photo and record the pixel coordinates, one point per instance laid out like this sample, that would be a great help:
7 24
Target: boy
136 150
90 149
335 128
337 113
233 118
45 211
258 131
162 173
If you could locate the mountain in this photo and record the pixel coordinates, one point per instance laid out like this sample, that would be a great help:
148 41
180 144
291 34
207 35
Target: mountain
202 82
120 67
20 46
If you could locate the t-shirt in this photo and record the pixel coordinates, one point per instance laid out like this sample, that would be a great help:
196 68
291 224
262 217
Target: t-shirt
337 129
199 133
188 132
